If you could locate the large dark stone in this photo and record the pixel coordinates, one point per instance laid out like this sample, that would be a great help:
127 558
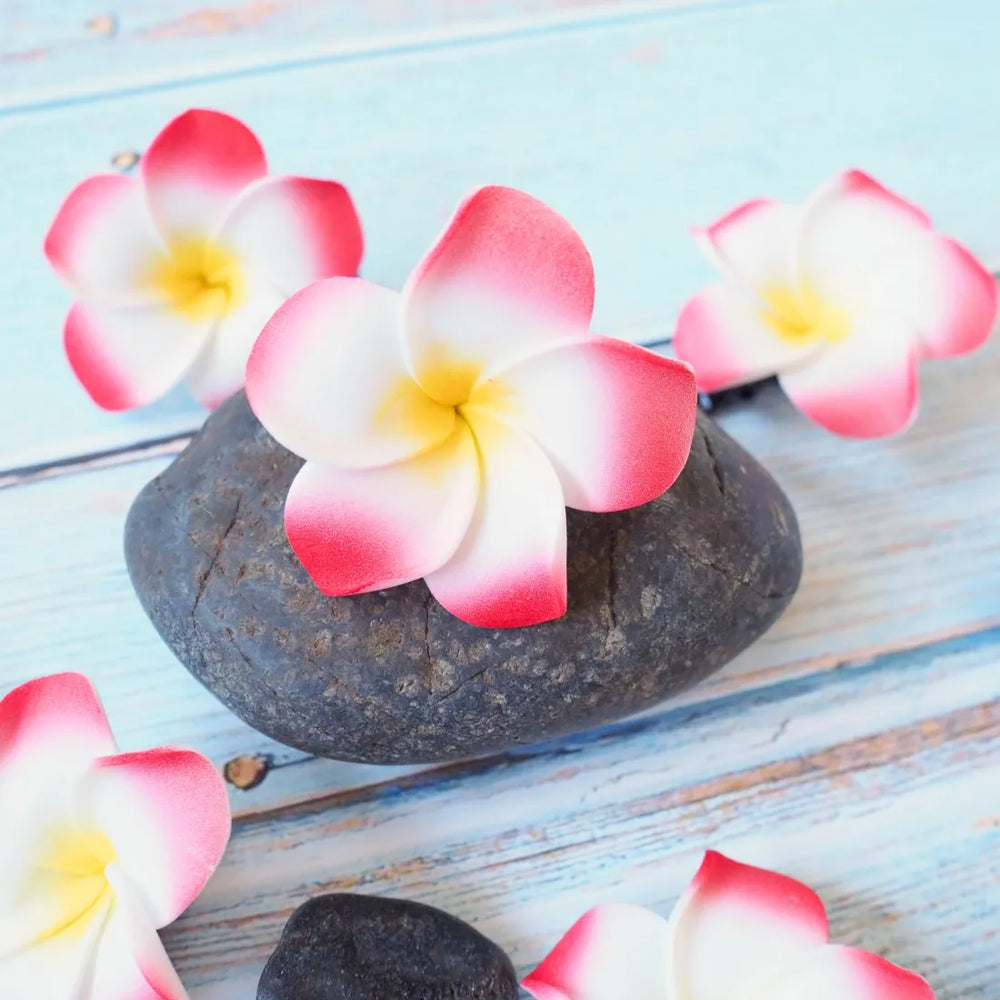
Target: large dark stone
347 947
659 596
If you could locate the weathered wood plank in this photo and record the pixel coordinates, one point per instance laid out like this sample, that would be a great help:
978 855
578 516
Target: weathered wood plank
876 781
66 604
902 542
895 531
48 50
633 128
877 786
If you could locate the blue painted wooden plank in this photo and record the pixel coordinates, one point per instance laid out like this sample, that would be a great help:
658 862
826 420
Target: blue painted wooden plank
66 602
877 788
53 47
634 130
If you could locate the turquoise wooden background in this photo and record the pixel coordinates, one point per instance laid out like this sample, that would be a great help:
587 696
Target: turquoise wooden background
857 745
634 120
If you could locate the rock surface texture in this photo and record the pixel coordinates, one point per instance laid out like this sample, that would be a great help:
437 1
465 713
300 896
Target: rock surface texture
659 597
347 947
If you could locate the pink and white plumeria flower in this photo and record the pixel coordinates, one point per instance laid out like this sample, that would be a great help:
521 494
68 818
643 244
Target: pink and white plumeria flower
840 298
99 848
177 270
446 429
737 933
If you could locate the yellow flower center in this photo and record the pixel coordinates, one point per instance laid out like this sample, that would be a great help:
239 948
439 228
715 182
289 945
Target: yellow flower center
73 863
428 408
199 279
446 381
801 317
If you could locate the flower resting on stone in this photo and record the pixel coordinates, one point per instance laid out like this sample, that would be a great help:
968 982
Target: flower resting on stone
176 270
99 849
737 933
840 298
445 430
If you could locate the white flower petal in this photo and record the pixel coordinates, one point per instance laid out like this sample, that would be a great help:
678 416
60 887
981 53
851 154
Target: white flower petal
864 386
166 813
50 731
357 530
112 952
103 242
834 972
131 963
613 952
865 247
220 368
294 230
949 298
52 887
510 569
74 816
130 357
194 169
754 244
59 967
328 381
852 228
616 421
508 277
723 335
735 923
54 725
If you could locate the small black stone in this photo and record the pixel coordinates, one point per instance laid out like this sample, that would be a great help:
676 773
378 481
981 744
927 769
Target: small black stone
347 947
659 597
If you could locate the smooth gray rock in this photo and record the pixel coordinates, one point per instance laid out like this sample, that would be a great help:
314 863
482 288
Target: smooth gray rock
659 597
347 947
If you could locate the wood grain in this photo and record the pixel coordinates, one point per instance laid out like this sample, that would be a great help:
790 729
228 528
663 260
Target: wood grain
902 544
66 604
857 746
634 128
877 786
60 49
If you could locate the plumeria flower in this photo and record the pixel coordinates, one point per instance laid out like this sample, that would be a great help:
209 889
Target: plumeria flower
446 429
737 933
840 298
176 270
99 849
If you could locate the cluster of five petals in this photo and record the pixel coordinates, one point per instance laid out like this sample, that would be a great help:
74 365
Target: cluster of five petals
176 269
840 297
737 933
446 429
100 848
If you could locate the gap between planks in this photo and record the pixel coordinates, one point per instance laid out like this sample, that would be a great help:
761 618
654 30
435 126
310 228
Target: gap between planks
962 726
161 447
779 687
526 848
768 675
157 447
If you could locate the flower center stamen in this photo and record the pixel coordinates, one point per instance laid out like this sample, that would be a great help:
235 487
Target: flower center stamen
801 317
72 864
199 279
445 380
426 408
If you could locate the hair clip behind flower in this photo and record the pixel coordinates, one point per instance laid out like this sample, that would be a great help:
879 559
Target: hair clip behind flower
99 850
737 933
840 298
447 429
177 268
